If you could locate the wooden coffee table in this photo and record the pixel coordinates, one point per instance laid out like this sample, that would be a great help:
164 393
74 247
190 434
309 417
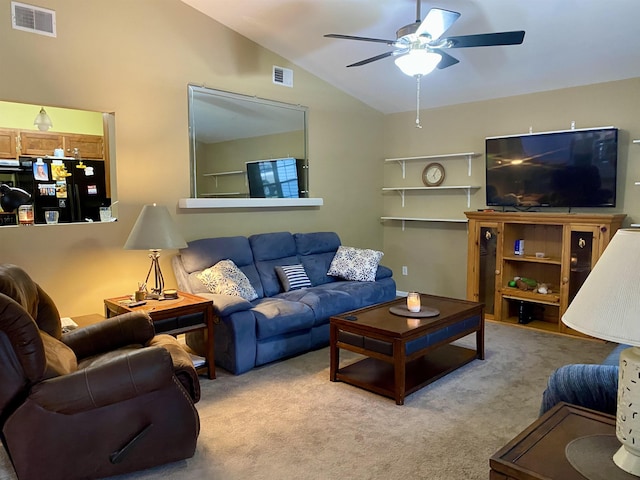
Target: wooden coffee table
404 354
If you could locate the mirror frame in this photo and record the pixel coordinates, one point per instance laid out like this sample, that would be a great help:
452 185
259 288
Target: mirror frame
254 128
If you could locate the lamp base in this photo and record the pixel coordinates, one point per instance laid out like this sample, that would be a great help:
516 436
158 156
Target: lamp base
592 457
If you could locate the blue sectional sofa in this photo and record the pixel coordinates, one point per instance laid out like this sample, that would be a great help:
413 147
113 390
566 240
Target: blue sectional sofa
277 324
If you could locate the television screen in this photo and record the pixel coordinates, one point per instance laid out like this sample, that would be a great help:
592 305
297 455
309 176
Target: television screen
280 178
573 168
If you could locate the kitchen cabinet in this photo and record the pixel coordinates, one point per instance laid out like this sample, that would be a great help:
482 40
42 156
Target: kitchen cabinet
8 143
44 143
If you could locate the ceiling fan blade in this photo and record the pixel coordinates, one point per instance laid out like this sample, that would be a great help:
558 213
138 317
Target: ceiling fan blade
486 39
447 60
437 22
362 39
372 59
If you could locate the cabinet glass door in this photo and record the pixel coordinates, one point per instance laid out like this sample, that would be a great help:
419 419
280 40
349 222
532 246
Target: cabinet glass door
488 243
581 260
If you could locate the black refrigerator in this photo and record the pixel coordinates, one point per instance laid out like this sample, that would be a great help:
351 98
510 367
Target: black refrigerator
75 188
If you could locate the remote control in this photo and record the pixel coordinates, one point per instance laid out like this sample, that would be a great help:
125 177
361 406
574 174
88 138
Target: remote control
136 304
350 317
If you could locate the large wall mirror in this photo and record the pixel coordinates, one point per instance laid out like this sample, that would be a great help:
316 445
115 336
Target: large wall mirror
246 147
57 165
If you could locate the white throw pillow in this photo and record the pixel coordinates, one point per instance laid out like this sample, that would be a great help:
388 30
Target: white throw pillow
225 278
355 264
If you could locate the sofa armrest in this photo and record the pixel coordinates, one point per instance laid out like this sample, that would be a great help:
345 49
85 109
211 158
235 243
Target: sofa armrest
225 305
127 376
182 277
182 364
110 334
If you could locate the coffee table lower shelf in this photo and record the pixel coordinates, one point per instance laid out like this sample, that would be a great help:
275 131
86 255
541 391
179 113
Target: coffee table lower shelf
378 376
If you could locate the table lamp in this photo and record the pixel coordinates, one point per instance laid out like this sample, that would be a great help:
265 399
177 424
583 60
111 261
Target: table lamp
607 306
154 230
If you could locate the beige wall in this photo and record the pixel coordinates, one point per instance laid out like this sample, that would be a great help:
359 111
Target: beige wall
436 253
135 58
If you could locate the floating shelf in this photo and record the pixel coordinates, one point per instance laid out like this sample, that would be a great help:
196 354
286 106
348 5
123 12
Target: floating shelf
433 220
401 190
402 160
220 174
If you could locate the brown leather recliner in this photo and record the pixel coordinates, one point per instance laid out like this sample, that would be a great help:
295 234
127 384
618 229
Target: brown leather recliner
98 401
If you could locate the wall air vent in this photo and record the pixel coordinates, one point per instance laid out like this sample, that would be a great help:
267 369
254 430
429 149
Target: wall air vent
283 76
33 19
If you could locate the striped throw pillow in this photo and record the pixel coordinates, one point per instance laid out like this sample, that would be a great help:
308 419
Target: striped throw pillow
293 277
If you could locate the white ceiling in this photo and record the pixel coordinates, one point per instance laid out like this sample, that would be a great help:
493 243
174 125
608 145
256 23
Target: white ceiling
567 43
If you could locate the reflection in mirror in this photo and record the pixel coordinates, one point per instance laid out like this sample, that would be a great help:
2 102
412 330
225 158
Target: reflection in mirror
246 147
61 158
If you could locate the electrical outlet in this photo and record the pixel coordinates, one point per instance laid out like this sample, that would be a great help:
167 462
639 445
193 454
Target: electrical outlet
405 270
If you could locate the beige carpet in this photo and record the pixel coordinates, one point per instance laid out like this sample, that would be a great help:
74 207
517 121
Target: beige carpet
288 421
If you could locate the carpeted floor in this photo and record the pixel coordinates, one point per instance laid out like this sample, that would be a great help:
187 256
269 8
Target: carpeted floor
288 421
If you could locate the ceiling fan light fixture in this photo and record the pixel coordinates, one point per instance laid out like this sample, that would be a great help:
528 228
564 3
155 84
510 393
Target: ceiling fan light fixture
418 62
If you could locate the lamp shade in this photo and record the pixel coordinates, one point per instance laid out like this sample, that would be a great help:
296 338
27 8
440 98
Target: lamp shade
418 62
607 306
154 230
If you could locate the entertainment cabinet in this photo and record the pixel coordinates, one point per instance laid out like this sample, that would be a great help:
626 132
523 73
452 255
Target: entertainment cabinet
560 250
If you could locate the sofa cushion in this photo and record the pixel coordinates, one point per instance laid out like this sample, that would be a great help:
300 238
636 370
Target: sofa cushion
60 358
225 278
364 294
292 277
277 316
316 251
269 251
355 264
324 302
203 253
317 242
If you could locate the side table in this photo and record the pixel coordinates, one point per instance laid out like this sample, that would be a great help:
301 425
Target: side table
184 314
538 453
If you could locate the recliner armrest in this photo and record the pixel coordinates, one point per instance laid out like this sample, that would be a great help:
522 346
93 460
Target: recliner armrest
127 376
110 334
182 364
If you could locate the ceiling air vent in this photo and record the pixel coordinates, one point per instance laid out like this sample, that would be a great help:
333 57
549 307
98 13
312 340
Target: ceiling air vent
282 76
33 19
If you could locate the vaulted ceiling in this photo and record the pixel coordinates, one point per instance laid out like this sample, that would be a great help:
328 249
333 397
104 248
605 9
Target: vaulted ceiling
567 43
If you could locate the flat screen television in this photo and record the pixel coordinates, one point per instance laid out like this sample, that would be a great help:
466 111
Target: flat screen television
571 168
278 178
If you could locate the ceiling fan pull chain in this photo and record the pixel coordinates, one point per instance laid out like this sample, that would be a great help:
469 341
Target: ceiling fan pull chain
418 77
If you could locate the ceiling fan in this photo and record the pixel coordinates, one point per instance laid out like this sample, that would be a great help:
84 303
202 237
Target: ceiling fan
419 46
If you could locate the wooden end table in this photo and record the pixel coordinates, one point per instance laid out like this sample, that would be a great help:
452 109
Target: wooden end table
538 453
184 314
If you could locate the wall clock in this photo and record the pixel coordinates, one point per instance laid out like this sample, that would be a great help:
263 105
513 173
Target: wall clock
433 175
